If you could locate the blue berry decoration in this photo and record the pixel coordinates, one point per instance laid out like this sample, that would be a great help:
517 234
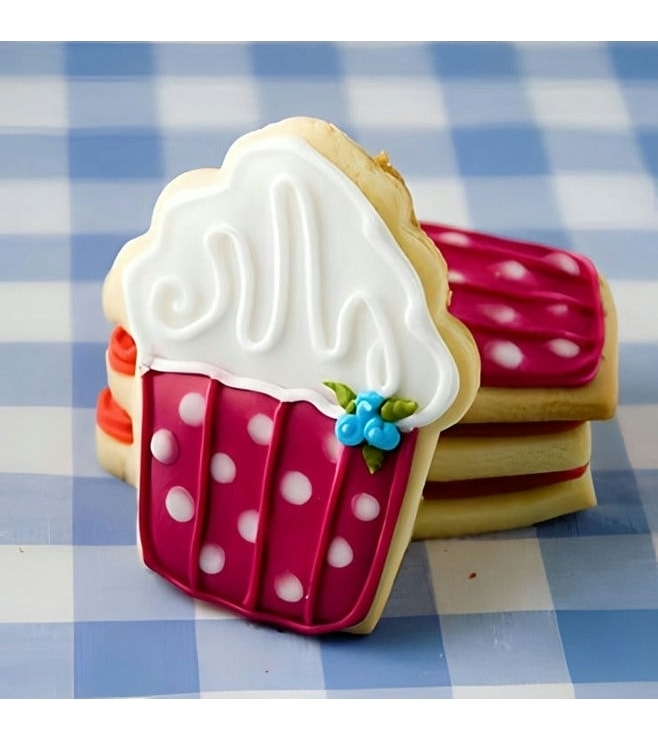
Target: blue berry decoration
368 405
369 420
383 435
349 430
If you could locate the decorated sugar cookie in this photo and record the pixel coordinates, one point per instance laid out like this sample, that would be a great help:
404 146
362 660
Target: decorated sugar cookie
294 364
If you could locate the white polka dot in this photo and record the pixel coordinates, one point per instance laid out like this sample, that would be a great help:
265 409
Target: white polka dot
296 488
288 587
164 447
455 277
179 504
564 347
365 507
248 525
340 553
192 409
260 429
505 354
498 312
511 269
211 559
564 262
558 309
454 237
222 468
331 447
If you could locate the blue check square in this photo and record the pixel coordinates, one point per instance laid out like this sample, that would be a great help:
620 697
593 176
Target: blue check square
130 154
31 58
37 661
196 60
635 60
39 374
28 257
312 59
35 510
104 512
92 59
92 255
112 584
33 155
648 141
281 97
637 384
500 151
238 655
610 646
620 254
89 373
121 659
459 59
402 651
602 572
374 60
428 153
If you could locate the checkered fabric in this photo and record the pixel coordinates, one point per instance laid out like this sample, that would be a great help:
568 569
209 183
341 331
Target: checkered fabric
555 143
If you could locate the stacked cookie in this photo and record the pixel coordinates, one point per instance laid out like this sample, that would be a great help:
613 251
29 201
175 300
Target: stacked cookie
545 326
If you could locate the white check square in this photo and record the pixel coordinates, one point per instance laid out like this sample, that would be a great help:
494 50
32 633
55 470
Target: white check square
637 309
440 200
35 312
36 582
590 104
36 440
639 425
198 102
484 576
34 206
607 201
33 103
392 102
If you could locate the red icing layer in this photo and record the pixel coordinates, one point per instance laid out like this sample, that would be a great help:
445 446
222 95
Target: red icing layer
122 352
441 491
252 504
535 312
112 419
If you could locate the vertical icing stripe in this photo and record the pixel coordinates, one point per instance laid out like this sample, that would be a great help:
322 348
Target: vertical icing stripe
394 503
267 491
326 529
203 484
144 486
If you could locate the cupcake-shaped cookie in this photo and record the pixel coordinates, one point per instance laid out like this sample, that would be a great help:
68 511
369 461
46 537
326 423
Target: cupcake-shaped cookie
295 364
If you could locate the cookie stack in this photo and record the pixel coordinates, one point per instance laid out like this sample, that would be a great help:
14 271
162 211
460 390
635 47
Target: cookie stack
545 326
299 381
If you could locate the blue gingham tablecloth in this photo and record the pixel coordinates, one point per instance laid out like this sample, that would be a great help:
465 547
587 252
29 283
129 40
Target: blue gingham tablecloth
555 143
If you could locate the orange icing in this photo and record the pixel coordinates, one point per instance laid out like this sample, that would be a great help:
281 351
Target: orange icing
122 352
112 419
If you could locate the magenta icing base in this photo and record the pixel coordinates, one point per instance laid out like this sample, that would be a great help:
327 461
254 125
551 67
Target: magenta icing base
252 504
535 312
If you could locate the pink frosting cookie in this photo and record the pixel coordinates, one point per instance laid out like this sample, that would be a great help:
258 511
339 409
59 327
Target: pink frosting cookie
295 363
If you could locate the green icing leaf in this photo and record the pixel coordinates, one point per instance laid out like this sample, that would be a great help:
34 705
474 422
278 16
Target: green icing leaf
351 407
344 394
374 458
394 408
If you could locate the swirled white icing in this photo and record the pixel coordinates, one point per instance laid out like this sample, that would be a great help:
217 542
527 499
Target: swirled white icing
282 273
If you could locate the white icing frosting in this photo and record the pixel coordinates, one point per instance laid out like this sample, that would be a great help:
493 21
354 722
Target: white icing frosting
282 274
